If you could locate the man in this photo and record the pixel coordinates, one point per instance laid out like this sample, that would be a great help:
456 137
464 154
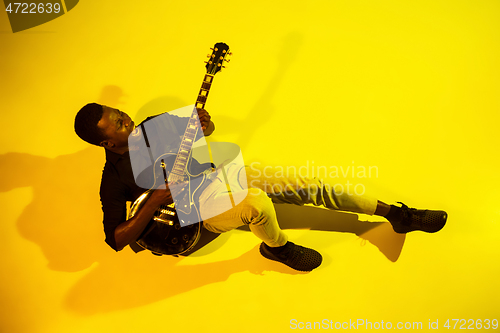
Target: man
110 128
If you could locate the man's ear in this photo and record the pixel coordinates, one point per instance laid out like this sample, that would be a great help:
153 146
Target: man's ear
107 144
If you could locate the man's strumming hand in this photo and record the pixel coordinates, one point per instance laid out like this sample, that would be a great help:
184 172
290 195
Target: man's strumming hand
163 195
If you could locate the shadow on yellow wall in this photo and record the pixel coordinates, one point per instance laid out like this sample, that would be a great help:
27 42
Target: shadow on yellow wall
379 234
61 218
263 109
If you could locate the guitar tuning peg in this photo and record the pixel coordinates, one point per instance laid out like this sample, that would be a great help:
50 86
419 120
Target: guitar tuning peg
227 60
223 66
212 48
208 55
230 53
206 62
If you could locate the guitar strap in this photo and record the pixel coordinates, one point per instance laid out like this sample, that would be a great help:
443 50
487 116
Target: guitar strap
147 144
152 225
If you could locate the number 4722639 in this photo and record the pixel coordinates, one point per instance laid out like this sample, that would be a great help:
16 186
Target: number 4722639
33 8
472 324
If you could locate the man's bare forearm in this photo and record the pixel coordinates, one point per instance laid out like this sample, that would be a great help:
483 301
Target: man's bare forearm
128 231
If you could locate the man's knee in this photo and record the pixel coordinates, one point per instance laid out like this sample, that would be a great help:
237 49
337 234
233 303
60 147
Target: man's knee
259 207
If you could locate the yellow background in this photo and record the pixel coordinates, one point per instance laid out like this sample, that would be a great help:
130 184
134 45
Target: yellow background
411 87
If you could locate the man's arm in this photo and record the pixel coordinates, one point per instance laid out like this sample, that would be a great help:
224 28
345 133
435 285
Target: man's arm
128 231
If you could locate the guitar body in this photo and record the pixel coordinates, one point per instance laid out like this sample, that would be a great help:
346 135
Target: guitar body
172 239
176 228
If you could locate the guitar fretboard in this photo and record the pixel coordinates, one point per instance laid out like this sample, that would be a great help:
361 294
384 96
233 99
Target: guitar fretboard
179 168
203 94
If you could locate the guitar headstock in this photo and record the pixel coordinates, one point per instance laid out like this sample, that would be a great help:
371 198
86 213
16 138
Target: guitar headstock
219 53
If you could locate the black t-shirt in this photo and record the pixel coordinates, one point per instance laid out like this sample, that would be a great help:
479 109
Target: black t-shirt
117 187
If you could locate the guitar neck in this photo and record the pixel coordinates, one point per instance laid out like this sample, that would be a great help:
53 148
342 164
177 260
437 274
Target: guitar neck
205 89
188 139
214 65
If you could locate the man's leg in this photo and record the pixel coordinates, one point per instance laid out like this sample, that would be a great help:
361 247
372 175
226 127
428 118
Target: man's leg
285 187
256 210
382 209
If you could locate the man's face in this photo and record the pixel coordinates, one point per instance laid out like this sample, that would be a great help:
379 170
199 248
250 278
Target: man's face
117 126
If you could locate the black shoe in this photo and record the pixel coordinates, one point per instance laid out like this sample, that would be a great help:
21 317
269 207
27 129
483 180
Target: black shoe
404 219
295 256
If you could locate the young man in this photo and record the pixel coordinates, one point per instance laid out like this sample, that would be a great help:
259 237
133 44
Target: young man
110 128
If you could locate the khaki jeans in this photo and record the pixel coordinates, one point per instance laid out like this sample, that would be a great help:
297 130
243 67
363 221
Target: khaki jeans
242 195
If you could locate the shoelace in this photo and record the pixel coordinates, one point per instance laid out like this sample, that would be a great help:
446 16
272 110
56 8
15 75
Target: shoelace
294 253
407 213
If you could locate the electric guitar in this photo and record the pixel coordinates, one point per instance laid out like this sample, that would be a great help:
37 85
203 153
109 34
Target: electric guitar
176 228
